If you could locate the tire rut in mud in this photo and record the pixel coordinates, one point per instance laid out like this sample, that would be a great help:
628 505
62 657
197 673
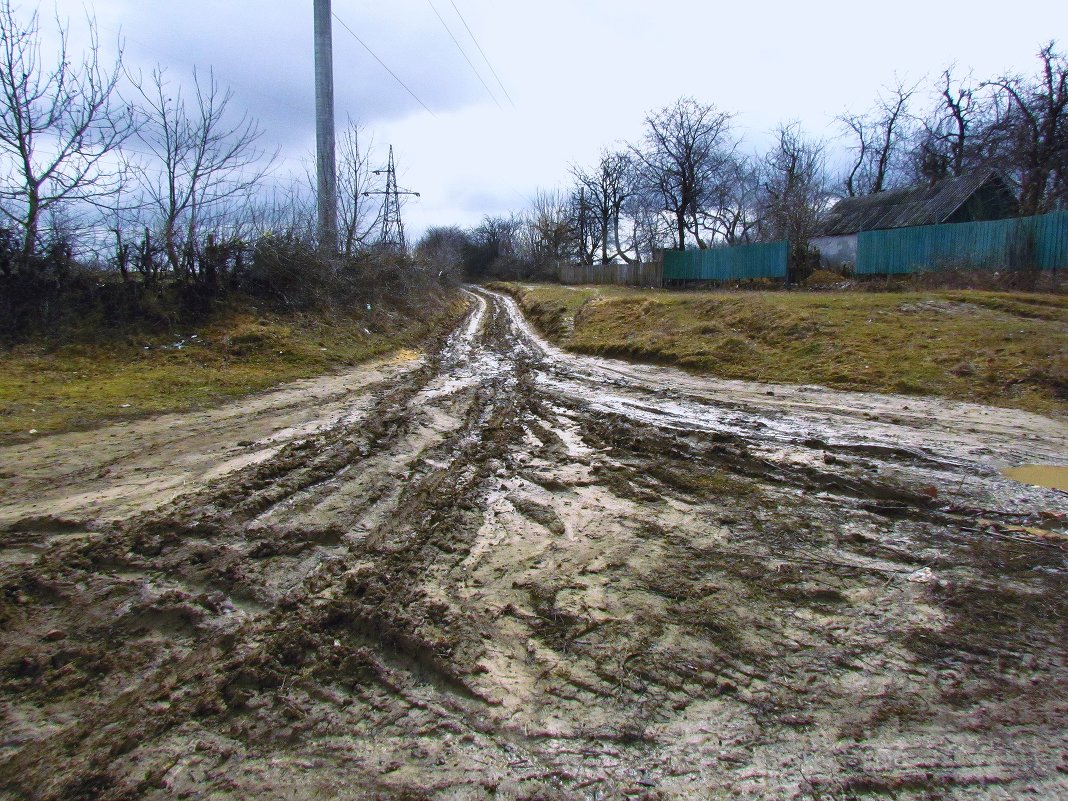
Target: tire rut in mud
485 587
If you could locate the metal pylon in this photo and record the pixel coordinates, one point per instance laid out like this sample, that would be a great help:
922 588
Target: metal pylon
392 234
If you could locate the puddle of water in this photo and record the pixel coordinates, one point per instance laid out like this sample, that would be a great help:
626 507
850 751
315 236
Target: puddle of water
1053 476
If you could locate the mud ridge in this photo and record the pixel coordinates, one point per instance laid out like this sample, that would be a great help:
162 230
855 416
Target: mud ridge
507 572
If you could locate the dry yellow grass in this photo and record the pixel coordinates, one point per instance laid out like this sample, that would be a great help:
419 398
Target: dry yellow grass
1000 348
52 387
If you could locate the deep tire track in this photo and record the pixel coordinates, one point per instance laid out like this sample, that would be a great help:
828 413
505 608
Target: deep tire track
521 575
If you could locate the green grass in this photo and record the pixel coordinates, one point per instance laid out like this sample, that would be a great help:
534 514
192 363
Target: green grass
61 386
1001 348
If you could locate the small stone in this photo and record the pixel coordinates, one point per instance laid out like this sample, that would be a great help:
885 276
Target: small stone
55 635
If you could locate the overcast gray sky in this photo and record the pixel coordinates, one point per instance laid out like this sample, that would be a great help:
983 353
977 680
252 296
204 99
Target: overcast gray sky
582 73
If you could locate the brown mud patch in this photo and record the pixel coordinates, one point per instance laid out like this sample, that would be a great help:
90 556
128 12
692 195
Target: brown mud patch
501 572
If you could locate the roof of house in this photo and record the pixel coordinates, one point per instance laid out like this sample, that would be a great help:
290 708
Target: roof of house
922 205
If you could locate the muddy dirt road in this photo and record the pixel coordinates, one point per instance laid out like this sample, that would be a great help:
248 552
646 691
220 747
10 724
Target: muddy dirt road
501 571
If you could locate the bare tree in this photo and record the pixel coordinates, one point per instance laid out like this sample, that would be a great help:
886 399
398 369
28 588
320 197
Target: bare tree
203 163
795 187
359 217
648 230
945 142
1034 130
59 123
548 231
796 196
683 152
492 249
441 249
879 138
584 225
734 211
607 188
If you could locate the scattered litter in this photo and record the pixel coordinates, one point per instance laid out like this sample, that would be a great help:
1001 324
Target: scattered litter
124 406
923 576
33 430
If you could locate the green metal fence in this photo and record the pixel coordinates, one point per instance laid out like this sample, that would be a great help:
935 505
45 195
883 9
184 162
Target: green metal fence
741 263
1021 243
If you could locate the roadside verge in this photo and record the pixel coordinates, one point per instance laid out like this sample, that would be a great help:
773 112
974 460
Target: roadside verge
997 348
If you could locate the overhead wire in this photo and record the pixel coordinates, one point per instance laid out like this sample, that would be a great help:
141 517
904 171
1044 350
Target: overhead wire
456 42
384 66
483 52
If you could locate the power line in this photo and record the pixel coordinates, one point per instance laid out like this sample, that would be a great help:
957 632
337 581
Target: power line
387 69
456 42
483 52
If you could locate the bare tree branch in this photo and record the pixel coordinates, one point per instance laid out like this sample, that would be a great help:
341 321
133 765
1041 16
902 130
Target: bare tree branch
58 126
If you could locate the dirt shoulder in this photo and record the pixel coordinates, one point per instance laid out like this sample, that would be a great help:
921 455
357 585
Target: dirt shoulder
1003 349
108 473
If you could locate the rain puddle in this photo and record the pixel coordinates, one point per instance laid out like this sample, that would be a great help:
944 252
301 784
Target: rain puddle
1053 476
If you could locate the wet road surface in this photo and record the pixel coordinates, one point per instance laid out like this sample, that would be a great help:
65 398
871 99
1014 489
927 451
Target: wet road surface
503 571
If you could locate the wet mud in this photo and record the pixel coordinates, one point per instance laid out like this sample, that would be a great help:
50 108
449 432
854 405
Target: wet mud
499 571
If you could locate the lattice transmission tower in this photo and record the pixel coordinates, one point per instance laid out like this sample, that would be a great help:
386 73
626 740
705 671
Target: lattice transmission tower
392 234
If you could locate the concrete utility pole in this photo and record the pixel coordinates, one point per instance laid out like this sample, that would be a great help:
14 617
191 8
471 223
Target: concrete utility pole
326 159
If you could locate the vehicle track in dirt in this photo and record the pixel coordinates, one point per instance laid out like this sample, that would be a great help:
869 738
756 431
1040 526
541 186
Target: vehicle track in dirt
503 571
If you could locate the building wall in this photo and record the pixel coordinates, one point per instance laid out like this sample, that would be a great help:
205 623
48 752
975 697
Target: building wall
837 252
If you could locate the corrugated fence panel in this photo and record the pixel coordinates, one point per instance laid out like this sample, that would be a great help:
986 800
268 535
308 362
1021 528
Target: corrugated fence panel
741 263
1026 242
1051 241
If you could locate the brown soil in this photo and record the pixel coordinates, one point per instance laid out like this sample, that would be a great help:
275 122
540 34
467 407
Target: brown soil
501 571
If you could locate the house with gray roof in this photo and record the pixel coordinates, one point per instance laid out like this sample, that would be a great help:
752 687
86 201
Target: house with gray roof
972 197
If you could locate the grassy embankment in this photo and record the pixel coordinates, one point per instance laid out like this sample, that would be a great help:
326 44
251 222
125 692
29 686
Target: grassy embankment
99 376
1005 349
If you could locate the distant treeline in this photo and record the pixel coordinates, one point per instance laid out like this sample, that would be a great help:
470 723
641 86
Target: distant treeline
690 181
